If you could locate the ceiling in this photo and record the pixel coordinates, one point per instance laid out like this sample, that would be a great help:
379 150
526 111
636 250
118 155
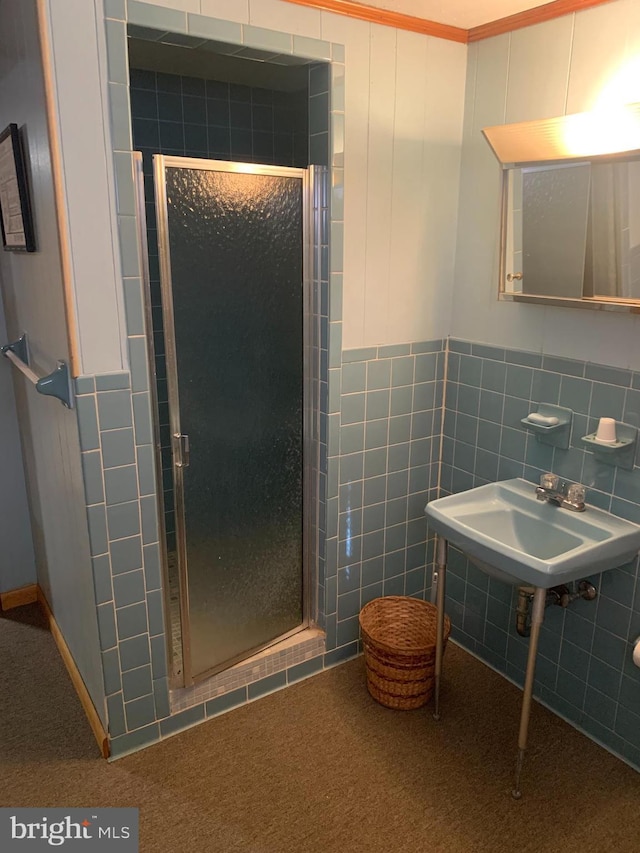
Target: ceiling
457 13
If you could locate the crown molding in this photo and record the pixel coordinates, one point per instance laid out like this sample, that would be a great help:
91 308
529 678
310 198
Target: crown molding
386 18
529 17
374 15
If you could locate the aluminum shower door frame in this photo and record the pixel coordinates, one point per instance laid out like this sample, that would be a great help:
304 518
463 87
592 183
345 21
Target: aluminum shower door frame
309 499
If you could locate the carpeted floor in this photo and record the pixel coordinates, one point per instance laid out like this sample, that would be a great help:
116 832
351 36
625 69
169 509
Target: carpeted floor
320 767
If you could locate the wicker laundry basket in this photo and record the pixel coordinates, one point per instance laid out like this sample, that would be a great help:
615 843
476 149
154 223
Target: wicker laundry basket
399 638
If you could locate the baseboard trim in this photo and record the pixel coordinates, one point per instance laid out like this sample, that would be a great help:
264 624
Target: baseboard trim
17 597
76 679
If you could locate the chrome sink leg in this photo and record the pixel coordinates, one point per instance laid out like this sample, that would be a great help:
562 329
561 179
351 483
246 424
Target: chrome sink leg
537 615
439 579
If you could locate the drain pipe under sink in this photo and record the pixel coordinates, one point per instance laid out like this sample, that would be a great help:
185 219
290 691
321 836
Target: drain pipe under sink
560 595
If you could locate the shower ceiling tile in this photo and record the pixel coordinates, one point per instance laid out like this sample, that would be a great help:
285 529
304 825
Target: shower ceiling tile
181 40
222 48
145 33
284 59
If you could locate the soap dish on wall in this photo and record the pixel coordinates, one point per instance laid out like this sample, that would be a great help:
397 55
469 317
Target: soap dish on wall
620 452
551 424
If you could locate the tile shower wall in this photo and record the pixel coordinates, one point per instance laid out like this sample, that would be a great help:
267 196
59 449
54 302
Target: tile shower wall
584 669
131 634
384 439
194 117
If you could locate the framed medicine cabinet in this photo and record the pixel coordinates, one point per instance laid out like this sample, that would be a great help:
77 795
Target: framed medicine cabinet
570 221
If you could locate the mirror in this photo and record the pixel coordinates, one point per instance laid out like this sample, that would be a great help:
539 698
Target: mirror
570 226
573 231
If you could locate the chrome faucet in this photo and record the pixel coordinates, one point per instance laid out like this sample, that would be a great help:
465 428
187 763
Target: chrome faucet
560 493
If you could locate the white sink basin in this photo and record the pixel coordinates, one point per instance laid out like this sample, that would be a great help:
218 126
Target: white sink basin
511 535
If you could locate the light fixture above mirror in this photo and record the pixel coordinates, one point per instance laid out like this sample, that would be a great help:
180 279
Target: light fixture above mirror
601 133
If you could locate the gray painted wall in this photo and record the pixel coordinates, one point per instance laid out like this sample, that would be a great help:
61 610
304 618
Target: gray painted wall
33 300
17 561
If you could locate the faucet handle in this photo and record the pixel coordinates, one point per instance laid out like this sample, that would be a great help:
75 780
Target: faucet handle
550 481
576 493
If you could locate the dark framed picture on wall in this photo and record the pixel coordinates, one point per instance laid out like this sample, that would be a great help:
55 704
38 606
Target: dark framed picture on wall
15 210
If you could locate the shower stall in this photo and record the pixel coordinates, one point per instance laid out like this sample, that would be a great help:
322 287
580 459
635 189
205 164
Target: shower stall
233 242
232 326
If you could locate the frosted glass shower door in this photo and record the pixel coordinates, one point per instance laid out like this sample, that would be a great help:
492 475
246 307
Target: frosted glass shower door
231 247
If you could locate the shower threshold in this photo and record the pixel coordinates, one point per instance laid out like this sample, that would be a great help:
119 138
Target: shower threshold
303 646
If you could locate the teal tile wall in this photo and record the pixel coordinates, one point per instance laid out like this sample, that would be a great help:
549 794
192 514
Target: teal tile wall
196 117
193 117
372 537
382 468
321 337
584 667
125 552
131 412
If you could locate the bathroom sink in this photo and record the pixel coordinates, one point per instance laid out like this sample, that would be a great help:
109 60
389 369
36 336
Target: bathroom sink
511 535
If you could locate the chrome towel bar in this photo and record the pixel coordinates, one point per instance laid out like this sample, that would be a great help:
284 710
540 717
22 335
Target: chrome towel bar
56 384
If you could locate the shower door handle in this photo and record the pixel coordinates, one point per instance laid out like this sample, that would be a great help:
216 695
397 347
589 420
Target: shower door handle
182 450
